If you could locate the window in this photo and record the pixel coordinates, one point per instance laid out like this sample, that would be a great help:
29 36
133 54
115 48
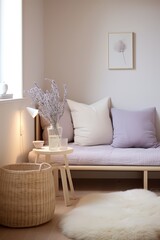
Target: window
11 45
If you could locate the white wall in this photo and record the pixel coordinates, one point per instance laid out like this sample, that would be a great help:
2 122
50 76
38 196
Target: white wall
76 35
75 40
17 127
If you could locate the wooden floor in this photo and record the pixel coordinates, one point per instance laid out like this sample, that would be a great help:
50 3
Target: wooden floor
50 230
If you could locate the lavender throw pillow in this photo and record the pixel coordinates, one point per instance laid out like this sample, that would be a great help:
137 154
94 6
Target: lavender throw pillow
134 128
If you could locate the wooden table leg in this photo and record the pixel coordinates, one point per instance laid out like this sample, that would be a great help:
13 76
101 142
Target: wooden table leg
64 185
65 173
36 159
56 180
69 177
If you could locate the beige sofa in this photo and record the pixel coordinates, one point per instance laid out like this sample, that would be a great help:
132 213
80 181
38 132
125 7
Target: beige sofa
121 150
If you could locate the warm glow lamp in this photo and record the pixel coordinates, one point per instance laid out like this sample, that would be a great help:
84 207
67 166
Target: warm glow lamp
32 111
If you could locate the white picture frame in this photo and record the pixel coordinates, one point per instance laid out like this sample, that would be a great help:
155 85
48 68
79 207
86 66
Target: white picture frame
120 50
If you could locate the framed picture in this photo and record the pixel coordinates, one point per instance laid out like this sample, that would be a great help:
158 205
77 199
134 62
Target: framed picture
120 50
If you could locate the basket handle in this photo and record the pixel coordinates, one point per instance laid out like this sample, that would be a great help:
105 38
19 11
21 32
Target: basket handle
44 163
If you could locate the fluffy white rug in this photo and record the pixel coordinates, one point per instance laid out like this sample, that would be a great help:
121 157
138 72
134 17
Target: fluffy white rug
128 215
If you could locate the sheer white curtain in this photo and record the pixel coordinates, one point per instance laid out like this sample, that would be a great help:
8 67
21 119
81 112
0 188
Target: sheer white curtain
11 45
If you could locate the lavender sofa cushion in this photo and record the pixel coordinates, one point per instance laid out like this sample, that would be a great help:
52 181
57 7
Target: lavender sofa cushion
134 128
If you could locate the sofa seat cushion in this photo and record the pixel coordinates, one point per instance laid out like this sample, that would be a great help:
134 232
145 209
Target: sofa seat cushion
108 155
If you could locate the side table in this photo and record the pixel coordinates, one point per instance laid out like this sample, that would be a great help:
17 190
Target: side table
63 168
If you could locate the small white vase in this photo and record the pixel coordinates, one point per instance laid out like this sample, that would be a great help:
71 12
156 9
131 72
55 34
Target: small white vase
3 88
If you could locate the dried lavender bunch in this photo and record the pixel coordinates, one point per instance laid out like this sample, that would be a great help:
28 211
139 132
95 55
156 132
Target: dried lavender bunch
49 104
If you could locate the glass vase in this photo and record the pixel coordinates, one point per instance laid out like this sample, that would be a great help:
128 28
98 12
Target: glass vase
54 137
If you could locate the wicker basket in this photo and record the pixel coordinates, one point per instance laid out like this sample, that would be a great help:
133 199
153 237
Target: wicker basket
27 195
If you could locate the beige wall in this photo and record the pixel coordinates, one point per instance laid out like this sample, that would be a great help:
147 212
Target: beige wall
17 127
76 50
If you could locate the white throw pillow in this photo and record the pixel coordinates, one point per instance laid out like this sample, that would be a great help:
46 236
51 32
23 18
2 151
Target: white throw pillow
92 123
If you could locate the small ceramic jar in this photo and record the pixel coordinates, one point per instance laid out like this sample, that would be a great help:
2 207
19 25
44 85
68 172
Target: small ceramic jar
3 88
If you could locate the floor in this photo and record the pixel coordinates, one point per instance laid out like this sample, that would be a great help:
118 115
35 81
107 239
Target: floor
50 230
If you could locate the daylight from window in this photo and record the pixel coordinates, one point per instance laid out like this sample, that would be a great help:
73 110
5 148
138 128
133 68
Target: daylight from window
11 45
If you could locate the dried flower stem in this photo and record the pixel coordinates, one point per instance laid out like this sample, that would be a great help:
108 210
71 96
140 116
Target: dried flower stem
49 104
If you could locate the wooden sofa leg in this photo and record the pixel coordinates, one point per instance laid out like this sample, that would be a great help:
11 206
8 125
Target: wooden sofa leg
145 180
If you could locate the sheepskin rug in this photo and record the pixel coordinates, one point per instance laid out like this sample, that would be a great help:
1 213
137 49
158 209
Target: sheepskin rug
126 215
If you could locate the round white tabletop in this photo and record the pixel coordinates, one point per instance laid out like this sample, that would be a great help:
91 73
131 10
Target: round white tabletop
45 150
